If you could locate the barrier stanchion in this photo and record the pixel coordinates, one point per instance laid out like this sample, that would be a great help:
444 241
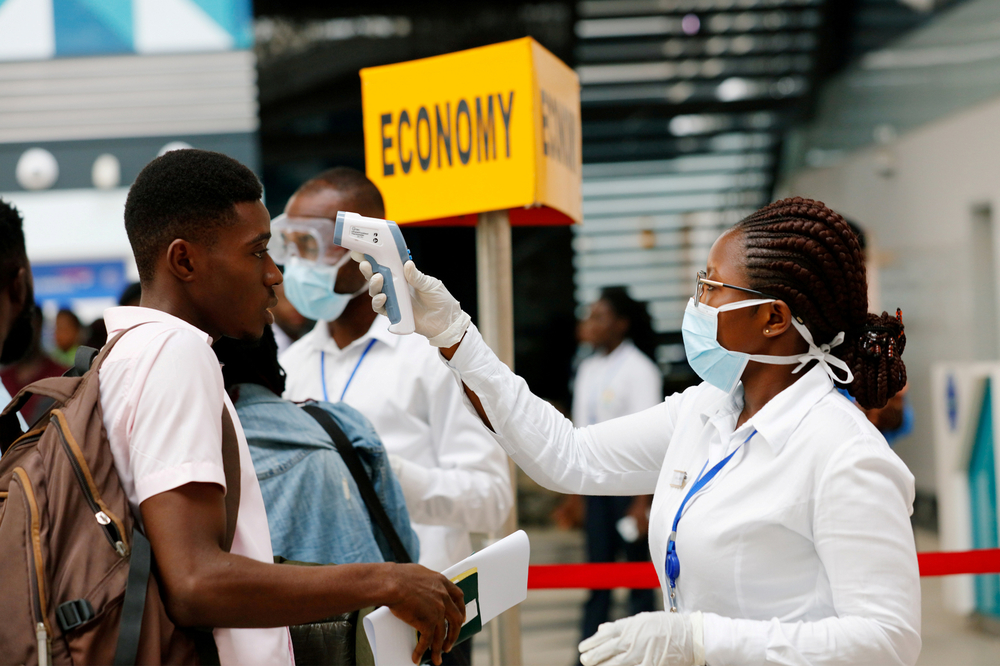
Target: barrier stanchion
642 575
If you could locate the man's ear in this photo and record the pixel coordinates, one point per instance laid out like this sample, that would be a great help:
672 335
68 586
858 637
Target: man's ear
779 318
18 288
180 259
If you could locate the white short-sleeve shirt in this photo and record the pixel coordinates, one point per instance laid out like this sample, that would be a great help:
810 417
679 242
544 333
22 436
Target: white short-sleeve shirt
162 396
623 381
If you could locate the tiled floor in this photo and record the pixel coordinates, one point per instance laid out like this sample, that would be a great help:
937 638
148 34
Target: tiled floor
550 619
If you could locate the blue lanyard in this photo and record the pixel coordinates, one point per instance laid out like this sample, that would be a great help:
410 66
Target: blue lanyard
673 562
322 370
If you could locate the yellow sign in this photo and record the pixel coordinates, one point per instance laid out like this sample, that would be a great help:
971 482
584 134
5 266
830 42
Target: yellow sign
491 128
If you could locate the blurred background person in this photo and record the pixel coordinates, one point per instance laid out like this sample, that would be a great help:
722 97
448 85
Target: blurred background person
618 379
17 300
35 365
68 332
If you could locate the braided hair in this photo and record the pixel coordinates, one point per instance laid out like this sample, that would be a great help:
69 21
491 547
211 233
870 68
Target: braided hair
801 252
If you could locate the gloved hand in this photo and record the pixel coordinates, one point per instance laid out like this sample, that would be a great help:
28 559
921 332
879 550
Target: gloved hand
649 639
436 314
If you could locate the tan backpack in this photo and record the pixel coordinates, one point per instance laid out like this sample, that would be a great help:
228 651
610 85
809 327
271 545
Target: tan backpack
70 560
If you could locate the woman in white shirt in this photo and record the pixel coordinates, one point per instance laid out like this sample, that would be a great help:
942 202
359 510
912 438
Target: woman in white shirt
780 521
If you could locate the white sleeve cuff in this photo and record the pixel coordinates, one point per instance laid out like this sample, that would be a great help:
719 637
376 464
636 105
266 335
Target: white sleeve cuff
698 638
725 644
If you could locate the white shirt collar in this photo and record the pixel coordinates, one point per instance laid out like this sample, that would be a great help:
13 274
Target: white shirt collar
778 419
124 317
379 330
617 351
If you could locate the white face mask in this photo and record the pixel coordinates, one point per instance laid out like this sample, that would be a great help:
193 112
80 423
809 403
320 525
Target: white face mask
723 368
309 288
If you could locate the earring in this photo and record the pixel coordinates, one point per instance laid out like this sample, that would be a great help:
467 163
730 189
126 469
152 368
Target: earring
766 331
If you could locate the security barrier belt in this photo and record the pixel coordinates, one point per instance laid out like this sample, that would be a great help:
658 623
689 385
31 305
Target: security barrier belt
641 575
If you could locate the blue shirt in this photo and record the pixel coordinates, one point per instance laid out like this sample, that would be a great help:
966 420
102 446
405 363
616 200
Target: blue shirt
314 509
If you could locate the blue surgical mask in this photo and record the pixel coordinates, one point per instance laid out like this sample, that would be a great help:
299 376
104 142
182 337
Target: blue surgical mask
309 287
723 368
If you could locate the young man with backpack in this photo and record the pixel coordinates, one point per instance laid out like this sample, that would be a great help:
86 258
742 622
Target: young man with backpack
199 232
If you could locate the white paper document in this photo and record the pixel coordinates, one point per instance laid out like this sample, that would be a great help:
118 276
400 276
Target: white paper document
502 571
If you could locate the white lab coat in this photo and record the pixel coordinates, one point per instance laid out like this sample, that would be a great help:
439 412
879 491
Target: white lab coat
454 477
800 550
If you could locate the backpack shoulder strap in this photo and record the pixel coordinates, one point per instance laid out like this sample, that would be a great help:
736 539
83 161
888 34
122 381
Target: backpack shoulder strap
231 467
368 494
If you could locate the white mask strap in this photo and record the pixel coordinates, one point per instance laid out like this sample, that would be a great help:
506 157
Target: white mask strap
821 354
741 304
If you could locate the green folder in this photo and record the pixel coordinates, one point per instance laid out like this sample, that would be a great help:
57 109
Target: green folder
468 582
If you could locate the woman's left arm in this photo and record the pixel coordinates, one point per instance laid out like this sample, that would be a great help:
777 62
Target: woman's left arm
864 540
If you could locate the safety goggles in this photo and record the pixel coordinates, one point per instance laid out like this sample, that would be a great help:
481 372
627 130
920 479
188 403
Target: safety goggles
701 281
308 238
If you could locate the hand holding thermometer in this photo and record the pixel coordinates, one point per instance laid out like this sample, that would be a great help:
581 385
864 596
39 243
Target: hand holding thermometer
384 248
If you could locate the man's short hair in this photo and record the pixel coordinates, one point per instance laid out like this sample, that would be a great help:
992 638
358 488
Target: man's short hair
12 254
352 184
187 194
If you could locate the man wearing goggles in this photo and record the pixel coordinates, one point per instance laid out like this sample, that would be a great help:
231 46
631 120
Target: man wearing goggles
304 246
453 474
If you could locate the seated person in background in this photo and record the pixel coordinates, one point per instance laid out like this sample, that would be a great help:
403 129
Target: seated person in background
314 508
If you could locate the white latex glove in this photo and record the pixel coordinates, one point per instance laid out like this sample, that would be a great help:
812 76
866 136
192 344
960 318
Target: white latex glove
649 639
436 314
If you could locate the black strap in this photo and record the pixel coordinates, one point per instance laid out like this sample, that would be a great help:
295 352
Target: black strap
353 462
231 469
135 601
82 361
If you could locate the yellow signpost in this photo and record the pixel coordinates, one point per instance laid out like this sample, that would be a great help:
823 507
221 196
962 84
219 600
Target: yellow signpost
487 137
491 128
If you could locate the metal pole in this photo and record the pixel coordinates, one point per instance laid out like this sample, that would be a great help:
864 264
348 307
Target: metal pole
496 323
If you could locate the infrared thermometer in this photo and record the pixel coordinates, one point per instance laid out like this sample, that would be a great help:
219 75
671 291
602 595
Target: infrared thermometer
384 248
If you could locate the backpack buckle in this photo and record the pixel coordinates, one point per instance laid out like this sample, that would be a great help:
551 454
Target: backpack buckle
74 613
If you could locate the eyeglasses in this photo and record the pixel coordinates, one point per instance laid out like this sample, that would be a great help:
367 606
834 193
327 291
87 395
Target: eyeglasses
701 281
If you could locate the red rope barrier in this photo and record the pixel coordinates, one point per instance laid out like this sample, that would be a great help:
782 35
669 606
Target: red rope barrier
641 575
965 562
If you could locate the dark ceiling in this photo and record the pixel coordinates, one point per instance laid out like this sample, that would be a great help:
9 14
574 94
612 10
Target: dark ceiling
309 53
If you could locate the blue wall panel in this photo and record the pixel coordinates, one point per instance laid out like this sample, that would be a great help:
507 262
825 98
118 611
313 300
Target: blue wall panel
983 491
